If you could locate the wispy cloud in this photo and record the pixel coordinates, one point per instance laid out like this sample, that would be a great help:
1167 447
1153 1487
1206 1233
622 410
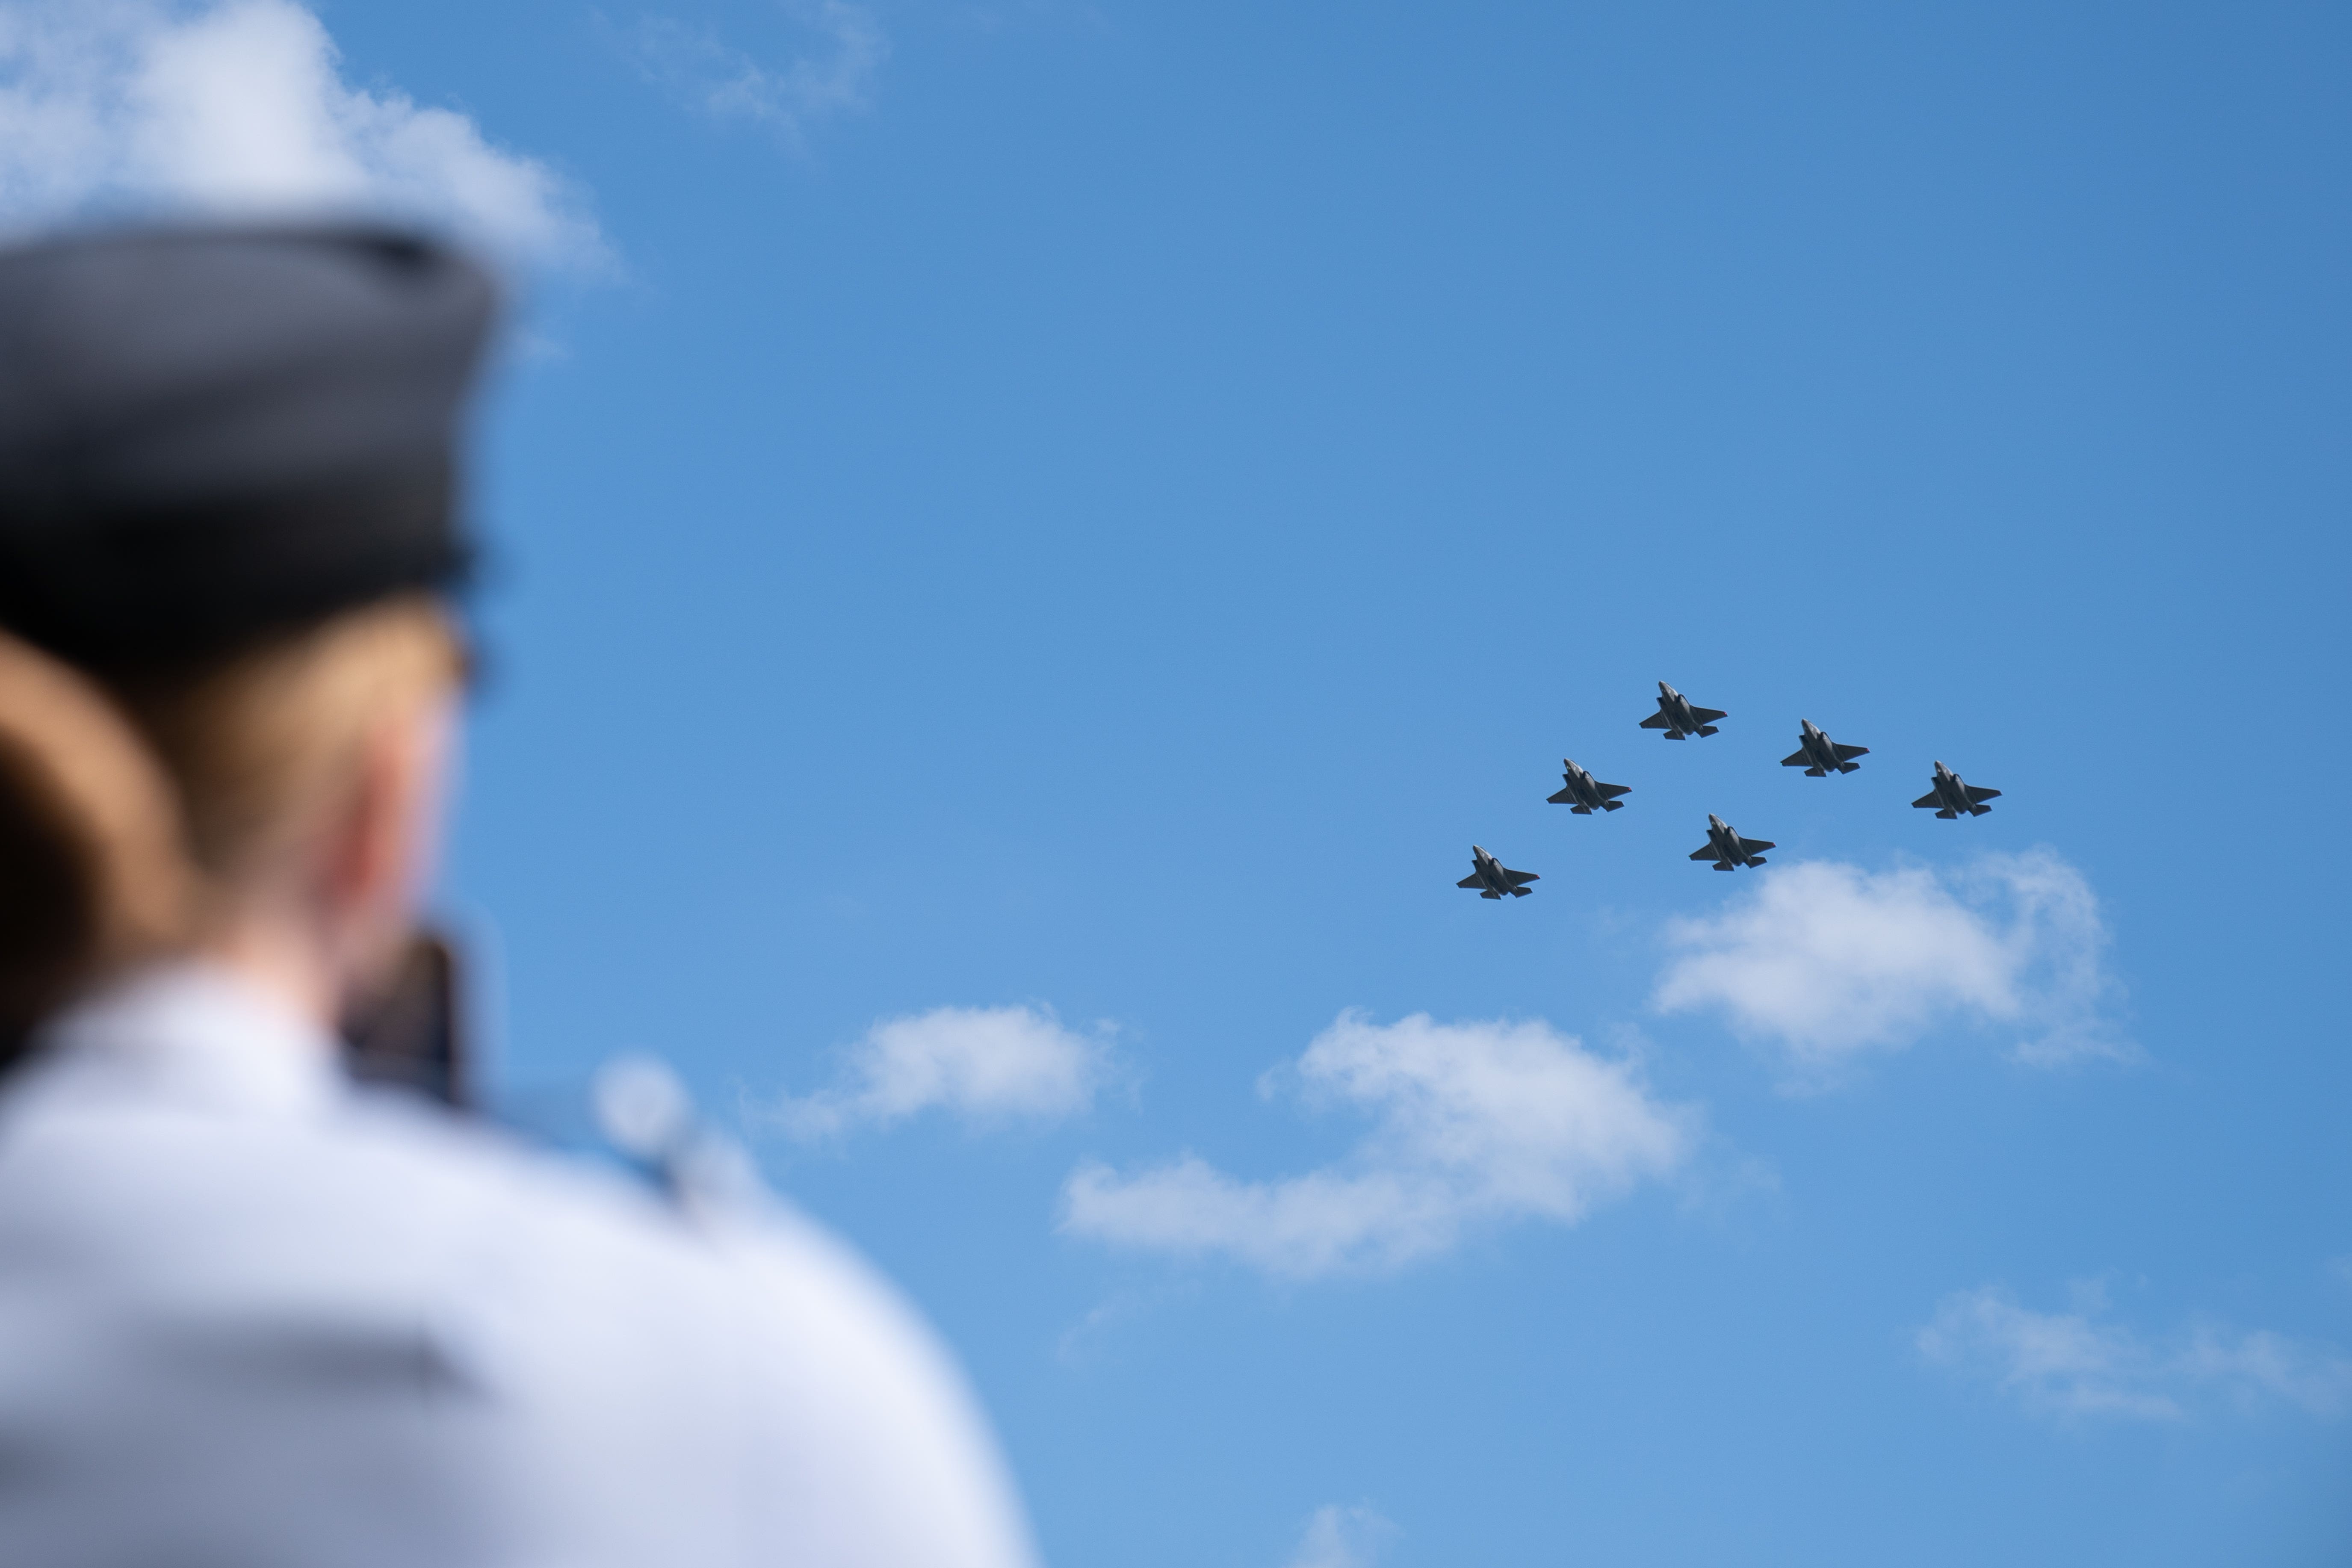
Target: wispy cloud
2079 1363
1827 960
1339 1537
986 1065
238 107
834 76
1473 1121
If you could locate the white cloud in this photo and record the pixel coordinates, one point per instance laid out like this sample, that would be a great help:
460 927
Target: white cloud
2075 1365
238 107
726 83
1828 960
986 1064
1474 1122
1340 1537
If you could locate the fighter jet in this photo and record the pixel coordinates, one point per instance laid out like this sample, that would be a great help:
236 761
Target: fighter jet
1817 754
1492 879
1583 795
1953 796
1727 849
1678 718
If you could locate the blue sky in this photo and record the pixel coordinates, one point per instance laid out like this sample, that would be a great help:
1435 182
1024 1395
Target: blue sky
1032 539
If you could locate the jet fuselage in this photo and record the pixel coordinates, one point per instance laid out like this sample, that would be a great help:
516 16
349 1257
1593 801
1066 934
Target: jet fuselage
1678 710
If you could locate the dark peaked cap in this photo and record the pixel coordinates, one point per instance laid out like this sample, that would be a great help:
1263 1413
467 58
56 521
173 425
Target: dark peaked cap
209 434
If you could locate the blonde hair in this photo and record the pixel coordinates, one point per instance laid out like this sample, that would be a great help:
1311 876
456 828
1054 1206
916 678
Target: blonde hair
132 811
252 744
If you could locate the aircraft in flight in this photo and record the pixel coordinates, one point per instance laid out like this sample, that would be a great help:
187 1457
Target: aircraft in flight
1727 849
1817 754
1953 794
1678 718
1493 879
1583 794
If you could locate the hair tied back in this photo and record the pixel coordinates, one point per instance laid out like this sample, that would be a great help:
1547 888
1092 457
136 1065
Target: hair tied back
93 870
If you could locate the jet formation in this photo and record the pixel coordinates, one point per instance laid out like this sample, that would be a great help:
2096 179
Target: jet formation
1950 795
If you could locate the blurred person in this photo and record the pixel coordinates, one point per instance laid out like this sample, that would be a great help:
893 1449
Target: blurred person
253 1314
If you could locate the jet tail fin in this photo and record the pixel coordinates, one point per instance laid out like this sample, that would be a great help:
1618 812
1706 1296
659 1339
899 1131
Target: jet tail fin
1673 734
1613 806
1849 767
1707 729
1979 810
1948 814
1583 810
1521 892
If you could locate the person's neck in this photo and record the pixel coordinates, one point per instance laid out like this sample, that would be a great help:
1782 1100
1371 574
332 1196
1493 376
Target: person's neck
283 962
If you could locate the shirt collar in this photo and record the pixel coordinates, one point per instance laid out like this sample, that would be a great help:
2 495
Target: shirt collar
194 1031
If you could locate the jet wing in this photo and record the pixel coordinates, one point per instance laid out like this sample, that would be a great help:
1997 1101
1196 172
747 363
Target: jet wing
1655 722
1847 753
1516 878
1706 854
1977 793
1615 790
1930 798
1756 845
1470 881
1798 759
1708 715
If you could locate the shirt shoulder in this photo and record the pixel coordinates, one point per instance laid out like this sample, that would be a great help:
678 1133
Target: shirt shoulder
643 1384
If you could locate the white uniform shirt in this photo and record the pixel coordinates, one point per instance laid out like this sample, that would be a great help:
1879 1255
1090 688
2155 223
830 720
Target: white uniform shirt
251 1317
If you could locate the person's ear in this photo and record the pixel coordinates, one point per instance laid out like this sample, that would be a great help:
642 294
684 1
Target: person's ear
380 845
